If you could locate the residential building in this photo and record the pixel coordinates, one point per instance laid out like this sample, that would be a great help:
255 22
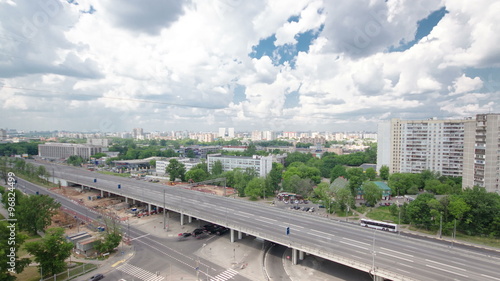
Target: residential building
3 134
53 150
138 133
222 132
482 153
230 133
100 142
261 164
412 146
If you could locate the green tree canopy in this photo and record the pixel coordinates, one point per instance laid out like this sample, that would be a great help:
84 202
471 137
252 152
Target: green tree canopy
384 172
338 171
371 174
255 188
51 252
197 175
35 212
217 168
7 248
175 169
371 192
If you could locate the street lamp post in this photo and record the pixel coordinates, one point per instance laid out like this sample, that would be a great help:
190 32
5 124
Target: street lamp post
373 255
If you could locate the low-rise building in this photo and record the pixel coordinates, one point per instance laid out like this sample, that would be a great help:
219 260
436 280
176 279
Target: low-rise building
261 164
53 150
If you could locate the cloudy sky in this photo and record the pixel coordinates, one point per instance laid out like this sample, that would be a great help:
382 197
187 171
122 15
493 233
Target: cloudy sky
332 65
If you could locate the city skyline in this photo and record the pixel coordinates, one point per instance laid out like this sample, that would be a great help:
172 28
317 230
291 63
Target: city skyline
309 65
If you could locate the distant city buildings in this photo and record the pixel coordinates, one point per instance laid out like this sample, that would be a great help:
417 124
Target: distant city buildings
3 134
261 164
52 150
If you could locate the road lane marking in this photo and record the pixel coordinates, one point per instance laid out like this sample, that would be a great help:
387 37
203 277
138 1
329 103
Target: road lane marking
449 271
392 255
140 273
396 252
357 246
140 236
117 263
264 221
454 267
321 232
321 236
487 276
356 241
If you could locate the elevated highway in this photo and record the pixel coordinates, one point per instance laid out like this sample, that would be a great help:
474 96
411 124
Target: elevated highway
385 255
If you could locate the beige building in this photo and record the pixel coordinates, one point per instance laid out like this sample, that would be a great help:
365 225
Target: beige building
482 153
54 150
261 164
412 146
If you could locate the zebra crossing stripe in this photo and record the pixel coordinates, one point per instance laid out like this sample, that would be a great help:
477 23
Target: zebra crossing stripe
226 275
140 273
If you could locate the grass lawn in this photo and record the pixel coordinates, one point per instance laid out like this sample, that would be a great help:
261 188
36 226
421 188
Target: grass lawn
30 273
381 214
125 175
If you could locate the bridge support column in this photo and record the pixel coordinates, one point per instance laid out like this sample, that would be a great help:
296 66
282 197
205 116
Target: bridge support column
240 235
232 235
102 194
190 219
126 199
378 278
149 208
294 256
301 255
133 201
182 218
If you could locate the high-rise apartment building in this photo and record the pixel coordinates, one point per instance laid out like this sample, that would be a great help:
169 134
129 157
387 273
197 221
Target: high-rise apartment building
482 153
138 133
230 132
412 146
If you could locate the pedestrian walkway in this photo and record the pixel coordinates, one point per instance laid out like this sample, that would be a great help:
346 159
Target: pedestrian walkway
140 273
226 275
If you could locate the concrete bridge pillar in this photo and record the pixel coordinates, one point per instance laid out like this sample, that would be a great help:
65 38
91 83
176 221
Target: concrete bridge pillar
102 193
240 235
149 208
294 256
378 278
133 201
126 199
301 255
190 219
232 235
182 218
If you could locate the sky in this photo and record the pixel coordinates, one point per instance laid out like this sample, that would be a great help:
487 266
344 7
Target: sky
198 65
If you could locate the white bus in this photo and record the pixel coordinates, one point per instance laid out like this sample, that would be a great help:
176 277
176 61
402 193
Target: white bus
392 227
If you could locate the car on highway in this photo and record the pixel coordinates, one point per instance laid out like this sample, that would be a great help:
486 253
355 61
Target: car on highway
96 277
197 232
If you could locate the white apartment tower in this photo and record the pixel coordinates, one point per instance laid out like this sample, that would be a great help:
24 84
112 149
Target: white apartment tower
412 146
222 132
482 153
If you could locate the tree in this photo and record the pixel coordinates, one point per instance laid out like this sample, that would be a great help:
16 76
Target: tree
76 160
419 211
344 198
111 237
197 175
98 155
51 252
4 169
371 192
217 169
384 172
175 169
356 178
371 174
255 188
338 171
274 177
163 143
35 212
152 163
11 263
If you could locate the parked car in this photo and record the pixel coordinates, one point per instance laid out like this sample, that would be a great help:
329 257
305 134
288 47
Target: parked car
96 277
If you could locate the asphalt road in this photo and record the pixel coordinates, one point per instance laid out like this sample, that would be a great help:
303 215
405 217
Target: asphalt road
350 244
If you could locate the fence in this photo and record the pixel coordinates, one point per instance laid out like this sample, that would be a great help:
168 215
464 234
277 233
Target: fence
70 273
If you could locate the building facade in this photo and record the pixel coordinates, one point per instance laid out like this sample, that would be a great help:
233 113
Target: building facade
65 150
482 153
412 146
261 164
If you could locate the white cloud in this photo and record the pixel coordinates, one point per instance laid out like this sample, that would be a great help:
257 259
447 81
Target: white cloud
127 65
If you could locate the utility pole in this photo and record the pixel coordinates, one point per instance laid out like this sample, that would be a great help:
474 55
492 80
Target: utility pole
441 226
373 255
164 223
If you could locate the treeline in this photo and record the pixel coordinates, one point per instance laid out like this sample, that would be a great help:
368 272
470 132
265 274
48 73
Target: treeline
472 211
407 183
8 149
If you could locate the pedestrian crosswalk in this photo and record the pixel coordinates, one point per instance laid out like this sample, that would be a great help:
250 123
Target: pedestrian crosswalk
226 275
140 273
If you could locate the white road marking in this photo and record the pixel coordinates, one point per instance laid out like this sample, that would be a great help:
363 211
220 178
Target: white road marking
356 241
392 255
443 264
140 273
449 271
353 245
487 276
140 237
226 275
396 252
321 236
264 221
321 232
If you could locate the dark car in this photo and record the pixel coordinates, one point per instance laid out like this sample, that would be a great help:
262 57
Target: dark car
222 230
96 277
197 232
